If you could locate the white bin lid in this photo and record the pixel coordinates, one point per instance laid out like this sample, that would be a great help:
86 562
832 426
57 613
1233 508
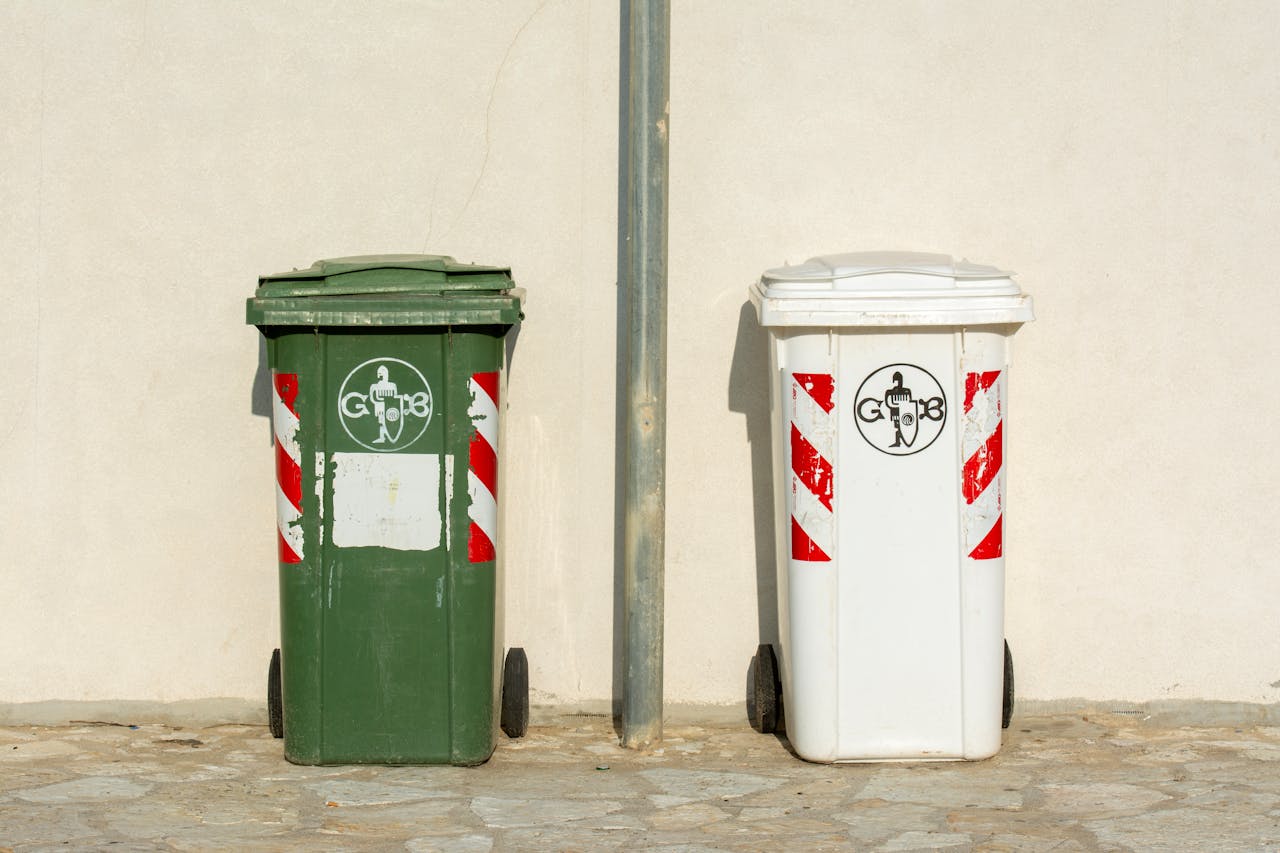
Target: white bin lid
889 289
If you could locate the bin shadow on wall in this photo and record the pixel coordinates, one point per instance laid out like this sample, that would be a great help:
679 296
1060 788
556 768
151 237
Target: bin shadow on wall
260 396
749 396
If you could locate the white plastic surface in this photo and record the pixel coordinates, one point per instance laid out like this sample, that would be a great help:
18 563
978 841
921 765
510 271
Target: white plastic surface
889 289
889 528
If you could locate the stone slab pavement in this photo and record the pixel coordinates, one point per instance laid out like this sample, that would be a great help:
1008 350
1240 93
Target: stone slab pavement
1061 783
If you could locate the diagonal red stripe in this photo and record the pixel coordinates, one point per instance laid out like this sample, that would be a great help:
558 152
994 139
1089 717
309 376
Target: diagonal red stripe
992 545
287 387
820 386
484 462
287 554
810 467
804 548
479 546
289 476
983 465
489 382
976 383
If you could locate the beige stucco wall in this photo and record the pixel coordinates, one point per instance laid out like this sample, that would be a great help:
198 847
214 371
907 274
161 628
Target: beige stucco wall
1124 159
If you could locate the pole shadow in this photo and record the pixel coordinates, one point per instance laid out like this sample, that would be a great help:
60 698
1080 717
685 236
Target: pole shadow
619 674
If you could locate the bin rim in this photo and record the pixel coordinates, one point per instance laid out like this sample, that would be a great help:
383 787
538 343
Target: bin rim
466 308
326 267
387 290
848 265
889 289
385 274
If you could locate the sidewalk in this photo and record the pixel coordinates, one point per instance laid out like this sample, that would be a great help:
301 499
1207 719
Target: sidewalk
1060 783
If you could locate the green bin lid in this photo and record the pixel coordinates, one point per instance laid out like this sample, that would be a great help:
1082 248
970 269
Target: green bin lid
387 290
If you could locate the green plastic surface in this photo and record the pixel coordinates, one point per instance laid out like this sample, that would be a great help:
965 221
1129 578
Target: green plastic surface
388 655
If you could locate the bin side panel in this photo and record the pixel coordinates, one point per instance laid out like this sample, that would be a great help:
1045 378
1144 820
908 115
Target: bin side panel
983 438
778 431
299 356
473 382
808 399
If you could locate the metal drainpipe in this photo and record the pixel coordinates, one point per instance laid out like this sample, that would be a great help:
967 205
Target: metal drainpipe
646 288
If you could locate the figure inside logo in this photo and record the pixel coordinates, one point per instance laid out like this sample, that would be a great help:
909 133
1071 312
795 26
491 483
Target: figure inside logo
902 409
379 392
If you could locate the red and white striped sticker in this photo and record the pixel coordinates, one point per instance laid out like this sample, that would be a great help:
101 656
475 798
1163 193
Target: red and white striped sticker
482 471
810 451
284 419
982 478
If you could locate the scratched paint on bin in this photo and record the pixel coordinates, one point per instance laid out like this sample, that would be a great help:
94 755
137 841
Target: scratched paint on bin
982 475
811 451
288 452
387 501
319 478
482 471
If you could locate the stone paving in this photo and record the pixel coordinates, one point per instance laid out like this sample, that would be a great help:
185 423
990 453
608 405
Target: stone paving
1064 782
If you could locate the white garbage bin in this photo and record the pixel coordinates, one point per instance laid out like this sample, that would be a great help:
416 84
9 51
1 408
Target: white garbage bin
890 422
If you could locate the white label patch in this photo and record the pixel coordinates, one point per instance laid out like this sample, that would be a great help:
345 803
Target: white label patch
386 501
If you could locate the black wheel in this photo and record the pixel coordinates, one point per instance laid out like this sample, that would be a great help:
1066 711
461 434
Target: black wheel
1006 713
275 703
765 691
515 694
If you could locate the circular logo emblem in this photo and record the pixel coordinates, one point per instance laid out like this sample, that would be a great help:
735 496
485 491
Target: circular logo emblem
900 409
385 404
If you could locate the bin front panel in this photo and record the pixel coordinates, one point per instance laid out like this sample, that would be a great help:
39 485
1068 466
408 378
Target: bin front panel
389 641
982 438
901 681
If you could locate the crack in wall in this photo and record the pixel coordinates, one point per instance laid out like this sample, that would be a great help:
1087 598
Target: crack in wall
488 118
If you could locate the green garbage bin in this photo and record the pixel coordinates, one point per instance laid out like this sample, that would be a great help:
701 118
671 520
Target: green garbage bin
387 374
